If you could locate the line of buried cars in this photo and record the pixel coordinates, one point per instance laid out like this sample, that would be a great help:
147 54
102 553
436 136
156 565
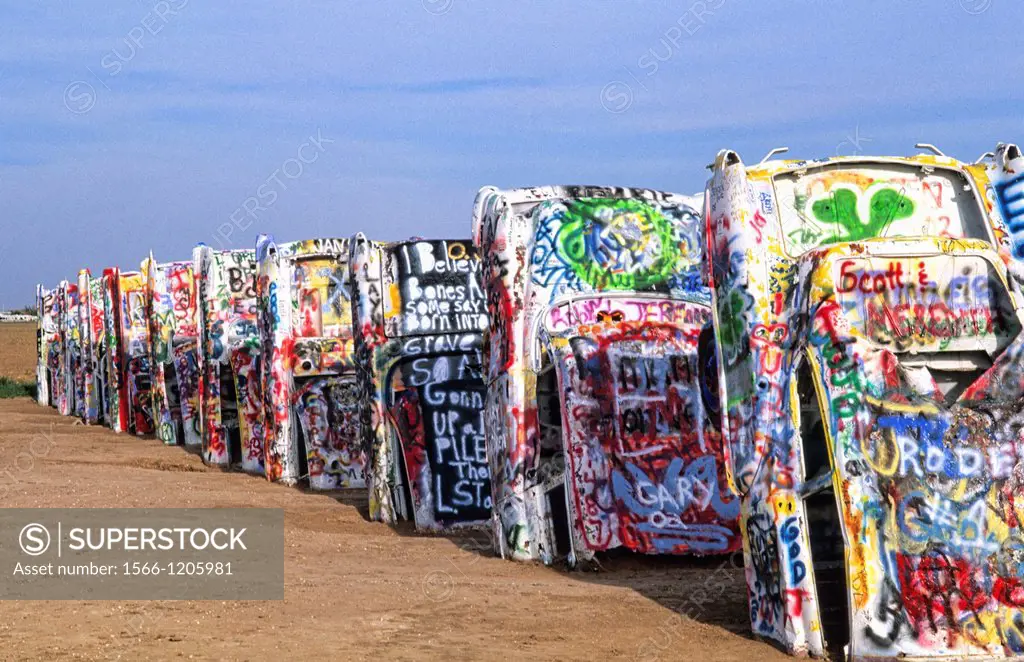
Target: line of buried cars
819 361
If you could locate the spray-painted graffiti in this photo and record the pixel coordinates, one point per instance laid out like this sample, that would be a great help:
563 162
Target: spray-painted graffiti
230 401
98 349
840 209
309 397
643 457
93 349
71 395
438 290
437 410
135 337
867 201
595 413
898 302
420 312
85 395
116 394
870 383
328 413
171 301
1006 170
63 391
78 333
48 345
620 244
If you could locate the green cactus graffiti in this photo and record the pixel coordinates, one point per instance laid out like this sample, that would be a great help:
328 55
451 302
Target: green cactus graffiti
734 321
618 244
840 209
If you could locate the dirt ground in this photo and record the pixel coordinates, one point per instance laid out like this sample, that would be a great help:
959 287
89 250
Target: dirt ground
353 588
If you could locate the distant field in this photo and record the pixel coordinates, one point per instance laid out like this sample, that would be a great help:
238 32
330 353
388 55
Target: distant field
18 351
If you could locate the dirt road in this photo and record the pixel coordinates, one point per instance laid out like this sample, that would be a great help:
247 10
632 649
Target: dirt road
353 589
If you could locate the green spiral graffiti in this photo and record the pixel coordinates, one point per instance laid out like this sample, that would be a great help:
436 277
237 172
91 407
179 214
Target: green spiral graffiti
618 244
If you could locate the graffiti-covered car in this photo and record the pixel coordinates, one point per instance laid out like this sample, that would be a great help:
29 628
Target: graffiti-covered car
420 315
174 359
309 387
230 414
598 432
91 330
135 363
48 345
1006 171
62 395
116 406
871 386
98 348
69 389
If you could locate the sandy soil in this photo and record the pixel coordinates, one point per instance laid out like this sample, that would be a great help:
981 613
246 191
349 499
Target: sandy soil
353 589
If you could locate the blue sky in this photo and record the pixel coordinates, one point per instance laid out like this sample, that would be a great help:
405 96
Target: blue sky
130 125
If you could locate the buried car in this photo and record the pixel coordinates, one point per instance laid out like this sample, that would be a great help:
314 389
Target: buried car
173 333
230 416
99 347
871 383
420 316
92 327
135 351
116 407
48 346
310 392
68 392
598 431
